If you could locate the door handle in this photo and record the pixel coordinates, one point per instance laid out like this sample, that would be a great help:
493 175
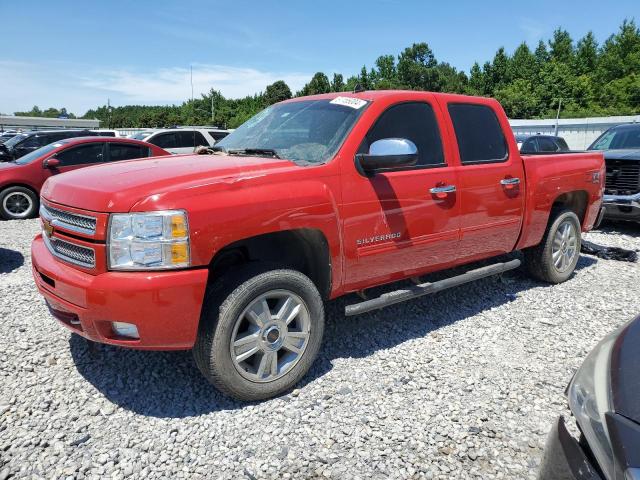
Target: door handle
510 181
443 189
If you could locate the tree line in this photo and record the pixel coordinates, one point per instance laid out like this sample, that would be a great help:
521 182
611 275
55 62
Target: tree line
581 77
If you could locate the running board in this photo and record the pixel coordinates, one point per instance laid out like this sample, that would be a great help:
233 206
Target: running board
422 289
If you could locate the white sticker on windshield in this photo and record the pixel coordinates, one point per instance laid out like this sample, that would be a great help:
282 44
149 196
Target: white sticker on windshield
349 102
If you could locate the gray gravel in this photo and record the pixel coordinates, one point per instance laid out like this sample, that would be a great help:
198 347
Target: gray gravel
463 384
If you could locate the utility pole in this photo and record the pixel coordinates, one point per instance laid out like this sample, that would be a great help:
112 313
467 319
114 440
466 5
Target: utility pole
558 116
212 123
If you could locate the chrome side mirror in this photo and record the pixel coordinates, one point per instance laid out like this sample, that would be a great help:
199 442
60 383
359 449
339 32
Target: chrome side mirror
388 154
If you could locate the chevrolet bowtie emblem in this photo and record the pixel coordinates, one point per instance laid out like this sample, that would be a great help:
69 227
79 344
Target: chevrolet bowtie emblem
47 228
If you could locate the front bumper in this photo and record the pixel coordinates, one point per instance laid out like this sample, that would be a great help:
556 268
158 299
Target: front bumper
622 207
564 458
164 306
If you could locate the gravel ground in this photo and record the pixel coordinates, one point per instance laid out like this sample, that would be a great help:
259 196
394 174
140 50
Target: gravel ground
463 384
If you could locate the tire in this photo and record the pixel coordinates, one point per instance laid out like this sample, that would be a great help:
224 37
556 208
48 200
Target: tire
542 260
18 203
229 316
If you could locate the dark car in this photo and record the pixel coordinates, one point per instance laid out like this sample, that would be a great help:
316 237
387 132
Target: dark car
27 142
6 135
531 144
621 148
21 179
604 397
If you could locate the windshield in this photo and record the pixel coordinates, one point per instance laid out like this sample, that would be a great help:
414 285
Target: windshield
31 156
12 142
305 131
618 139
140 135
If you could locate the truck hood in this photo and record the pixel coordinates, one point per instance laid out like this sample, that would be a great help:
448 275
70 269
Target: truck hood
117 187
622 154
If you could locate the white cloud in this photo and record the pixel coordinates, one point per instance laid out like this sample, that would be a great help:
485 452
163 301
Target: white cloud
80 87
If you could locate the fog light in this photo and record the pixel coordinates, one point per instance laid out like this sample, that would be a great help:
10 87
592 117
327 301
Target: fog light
125 329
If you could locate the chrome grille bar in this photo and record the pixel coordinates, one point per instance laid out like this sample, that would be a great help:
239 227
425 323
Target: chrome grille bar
82 224
70 252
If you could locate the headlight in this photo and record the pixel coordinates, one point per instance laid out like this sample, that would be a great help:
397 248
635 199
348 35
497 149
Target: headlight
148 241
590 398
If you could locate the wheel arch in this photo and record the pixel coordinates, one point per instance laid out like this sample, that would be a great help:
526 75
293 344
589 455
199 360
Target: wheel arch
305 250
577 201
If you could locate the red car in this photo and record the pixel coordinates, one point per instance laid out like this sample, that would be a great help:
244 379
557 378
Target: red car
22 179
234 255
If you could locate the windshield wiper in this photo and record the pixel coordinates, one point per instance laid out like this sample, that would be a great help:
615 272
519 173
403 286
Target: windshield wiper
254 151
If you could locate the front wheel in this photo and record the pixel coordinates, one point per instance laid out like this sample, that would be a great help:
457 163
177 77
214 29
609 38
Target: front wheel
17 203
556 257
260 332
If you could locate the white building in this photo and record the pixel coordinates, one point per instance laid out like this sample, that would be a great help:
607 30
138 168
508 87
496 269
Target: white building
12 122
578 132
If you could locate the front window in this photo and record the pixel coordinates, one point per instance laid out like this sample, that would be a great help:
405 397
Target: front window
308 131
625 138
41 152
12 142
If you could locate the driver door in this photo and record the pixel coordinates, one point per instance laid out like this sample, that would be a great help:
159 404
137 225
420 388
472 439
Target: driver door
401 223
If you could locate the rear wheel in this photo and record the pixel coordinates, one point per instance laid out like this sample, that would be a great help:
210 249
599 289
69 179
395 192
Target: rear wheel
556 257
17 203
260 332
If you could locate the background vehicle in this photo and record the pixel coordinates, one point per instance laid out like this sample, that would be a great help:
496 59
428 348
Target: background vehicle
21 180
181 140
603 397
311 199
6 135
24 143
541 144
621 148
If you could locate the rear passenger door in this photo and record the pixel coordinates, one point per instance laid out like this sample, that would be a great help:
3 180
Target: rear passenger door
399 223
491 182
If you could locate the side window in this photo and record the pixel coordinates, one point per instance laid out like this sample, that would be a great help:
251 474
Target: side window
414 121
547 145
164 140
124 151
34 141
217 136
529 146
562 144
191 138
480 137
81 155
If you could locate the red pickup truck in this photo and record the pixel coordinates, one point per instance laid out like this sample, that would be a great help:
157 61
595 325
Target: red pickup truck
233 254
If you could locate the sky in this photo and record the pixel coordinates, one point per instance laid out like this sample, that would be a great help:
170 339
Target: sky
77 54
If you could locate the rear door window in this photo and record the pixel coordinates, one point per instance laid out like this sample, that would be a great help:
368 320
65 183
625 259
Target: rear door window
84 154
191 138
479 134
164 140
413 121
126 151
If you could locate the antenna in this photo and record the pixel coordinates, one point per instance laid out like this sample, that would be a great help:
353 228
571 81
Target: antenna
358 88
191 83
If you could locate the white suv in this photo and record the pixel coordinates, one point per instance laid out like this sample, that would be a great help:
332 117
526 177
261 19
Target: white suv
181 140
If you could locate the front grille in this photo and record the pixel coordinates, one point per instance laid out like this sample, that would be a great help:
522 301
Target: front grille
72 253
623 177
72 221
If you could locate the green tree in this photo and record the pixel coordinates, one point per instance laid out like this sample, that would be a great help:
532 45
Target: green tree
416 68
561 46
337 83
276 92
586 58
319 84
